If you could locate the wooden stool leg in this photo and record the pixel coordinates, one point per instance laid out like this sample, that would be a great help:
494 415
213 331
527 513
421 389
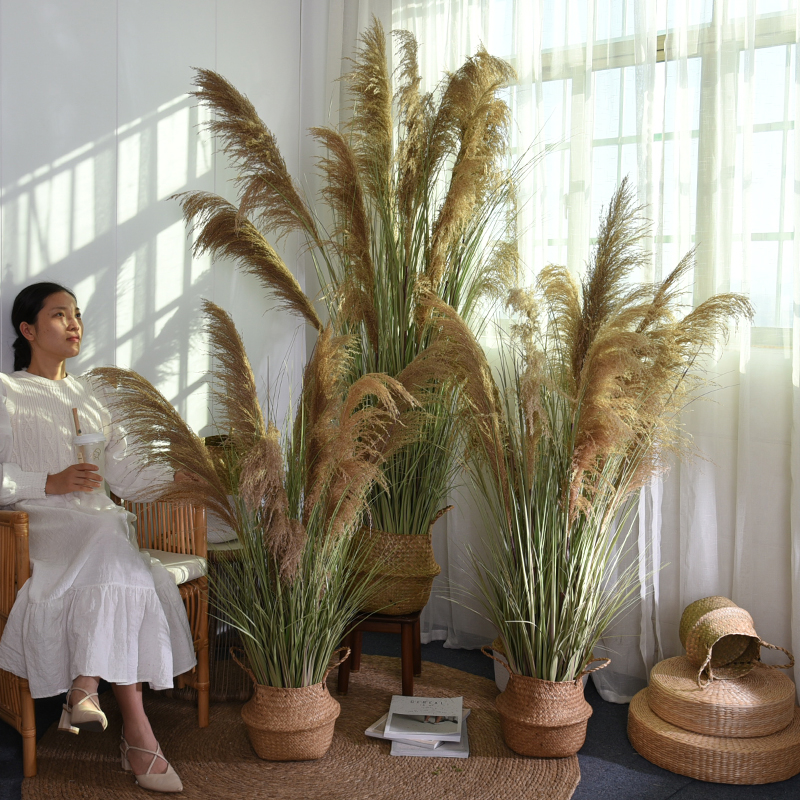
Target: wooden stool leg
28 730
355 657
417 649
343 680
407 657
203 686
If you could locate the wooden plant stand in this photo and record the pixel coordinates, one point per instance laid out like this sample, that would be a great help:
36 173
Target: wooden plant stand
407 625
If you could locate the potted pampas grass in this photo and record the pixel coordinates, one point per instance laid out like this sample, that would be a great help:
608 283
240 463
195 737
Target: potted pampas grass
295 502
416 196
581 412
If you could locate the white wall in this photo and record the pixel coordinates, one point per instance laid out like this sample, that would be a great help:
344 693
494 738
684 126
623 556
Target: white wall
96 132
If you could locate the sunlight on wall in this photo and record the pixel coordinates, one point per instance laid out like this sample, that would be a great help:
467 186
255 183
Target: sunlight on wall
97 219
173 151
170 255
129 153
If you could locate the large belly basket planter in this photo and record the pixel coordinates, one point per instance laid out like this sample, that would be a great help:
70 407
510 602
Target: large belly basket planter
291 724
544 719
404 568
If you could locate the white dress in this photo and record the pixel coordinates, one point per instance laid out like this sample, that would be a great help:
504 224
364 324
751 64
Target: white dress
93 605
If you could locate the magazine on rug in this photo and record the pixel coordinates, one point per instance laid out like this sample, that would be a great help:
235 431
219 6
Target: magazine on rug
459 749
376 732
429 718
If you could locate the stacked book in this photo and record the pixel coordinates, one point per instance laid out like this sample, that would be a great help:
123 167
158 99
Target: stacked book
432 727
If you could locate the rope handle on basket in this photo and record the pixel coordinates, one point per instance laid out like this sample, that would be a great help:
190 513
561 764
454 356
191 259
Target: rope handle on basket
783 650
707 663
336 664
486 652
242 664
440 513
606 661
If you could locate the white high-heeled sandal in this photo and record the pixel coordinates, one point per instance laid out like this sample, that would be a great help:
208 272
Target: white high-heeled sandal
85 715
160 782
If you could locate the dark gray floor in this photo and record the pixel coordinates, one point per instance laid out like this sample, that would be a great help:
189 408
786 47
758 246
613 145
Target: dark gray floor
610 768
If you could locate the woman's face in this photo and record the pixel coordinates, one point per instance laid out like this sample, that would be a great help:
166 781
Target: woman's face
58 329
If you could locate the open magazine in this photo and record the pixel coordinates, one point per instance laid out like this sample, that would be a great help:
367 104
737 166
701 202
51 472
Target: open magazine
426 718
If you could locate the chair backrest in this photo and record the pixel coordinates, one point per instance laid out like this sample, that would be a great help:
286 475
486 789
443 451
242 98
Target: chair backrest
15 569
173 528
15 565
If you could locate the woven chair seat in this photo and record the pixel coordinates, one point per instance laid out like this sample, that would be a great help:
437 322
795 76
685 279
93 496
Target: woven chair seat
183 567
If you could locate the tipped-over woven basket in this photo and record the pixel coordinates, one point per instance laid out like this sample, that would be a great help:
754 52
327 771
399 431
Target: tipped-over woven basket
403 567
719 759
758 704
721 640
544 719
291 724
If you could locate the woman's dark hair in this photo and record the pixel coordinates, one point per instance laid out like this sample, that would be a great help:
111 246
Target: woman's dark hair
27 305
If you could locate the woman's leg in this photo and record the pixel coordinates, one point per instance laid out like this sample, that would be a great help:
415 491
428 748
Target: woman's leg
88 684
138 732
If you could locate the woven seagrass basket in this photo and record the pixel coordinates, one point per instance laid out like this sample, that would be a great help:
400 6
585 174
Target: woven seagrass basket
403 567
721 640
758 704
291 724
544 719
719 759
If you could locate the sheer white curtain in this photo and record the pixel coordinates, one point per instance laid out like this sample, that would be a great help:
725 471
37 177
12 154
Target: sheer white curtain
695 101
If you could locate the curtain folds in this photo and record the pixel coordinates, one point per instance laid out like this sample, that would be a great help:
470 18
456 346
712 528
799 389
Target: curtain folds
696 102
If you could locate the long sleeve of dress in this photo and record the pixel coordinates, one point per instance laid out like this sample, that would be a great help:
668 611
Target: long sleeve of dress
126 476
15 483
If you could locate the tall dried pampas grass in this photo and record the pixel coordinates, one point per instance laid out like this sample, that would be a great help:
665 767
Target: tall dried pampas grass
584 411
420 199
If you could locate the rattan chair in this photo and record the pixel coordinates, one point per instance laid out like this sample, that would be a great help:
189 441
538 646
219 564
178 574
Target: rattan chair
16 704
160 527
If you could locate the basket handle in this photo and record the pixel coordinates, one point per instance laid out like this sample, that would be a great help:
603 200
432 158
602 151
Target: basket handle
762 643
606 662
336 664
241 663
783 650
486 652
440 513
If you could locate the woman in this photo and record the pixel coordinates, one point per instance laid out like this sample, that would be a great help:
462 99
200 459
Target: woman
93 607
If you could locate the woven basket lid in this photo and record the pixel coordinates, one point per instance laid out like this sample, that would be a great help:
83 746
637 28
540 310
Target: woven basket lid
720 759
758 704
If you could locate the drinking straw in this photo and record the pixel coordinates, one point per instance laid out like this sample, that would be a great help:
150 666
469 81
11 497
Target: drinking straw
81 454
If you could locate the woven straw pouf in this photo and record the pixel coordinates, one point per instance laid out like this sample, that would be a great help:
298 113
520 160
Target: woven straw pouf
759 704
720 759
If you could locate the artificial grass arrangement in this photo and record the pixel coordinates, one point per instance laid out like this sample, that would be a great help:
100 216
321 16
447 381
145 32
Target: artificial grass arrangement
583 411
294 501
417 199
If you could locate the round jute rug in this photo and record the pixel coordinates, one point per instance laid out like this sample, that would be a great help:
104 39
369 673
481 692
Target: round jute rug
218 762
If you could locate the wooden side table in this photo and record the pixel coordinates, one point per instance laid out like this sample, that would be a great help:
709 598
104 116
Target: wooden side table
407 625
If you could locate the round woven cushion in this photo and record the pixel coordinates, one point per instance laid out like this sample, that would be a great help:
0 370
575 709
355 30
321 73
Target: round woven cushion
759 704
719 759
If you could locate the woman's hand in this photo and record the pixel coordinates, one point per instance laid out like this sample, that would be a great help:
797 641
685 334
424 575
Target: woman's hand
75 478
